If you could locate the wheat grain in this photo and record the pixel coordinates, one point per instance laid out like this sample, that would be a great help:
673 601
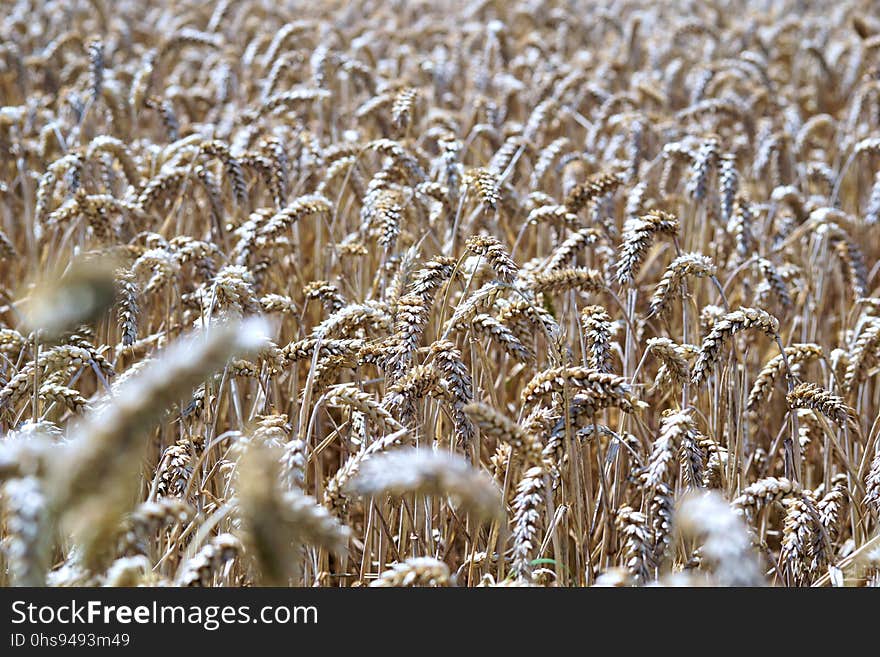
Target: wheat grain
425 472
415 572
722 332
725 543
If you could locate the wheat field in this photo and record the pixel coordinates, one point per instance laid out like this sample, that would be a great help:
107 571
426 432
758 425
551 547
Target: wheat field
439 293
